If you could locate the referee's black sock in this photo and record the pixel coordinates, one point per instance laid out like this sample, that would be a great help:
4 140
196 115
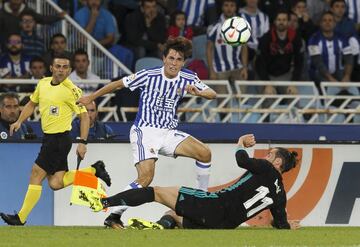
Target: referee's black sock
167 221
134 197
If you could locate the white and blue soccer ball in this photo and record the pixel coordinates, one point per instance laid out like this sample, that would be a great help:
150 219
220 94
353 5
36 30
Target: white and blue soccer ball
235 31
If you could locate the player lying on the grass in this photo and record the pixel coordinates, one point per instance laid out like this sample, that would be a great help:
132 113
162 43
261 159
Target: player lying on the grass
259 188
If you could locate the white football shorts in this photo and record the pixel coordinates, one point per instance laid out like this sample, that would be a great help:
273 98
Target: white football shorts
148 142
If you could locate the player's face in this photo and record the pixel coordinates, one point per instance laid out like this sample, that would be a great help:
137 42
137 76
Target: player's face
58 45
281 22
173 63
293 22
91 109
229 9
10 110
60 69
81 63
180 21
38 70
14 44
252 3
338 9
327 23
27 23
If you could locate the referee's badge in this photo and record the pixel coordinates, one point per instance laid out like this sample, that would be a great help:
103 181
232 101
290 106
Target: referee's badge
54 110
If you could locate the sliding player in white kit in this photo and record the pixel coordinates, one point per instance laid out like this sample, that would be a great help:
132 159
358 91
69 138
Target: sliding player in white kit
154 130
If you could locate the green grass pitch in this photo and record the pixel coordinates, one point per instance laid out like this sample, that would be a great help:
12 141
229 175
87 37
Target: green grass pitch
244 236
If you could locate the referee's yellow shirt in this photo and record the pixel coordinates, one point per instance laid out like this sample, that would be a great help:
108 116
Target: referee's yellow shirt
57 103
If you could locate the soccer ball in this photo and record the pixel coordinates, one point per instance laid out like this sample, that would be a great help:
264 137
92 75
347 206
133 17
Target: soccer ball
235 31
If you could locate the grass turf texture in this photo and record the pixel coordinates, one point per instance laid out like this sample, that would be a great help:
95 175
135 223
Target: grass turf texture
97 236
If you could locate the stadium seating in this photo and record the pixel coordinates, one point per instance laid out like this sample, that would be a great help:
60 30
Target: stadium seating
147 62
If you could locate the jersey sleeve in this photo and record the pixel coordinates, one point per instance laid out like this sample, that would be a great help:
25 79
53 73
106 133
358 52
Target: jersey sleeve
34 97
313 47
253 165
136 80
279 216
199 84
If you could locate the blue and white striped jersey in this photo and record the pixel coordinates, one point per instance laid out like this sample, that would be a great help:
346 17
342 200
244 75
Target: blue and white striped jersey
353 10
259 23
195 10
160 96
226 57
331 51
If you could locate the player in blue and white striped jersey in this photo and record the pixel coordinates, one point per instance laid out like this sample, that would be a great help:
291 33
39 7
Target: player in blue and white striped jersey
154 130
196 11
259 23
225 61
353 11
327 51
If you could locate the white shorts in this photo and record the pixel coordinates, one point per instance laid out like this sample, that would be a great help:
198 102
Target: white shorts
148 142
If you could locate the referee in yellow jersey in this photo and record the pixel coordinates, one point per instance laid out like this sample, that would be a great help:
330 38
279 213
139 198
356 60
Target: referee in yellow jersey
56 97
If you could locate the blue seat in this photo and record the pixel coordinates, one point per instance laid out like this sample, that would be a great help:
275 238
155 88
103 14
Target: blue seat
123 54
147 62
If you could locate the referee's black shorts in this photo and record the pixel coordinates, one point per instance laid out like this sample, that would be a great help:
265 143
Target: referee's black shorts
202 210
54 151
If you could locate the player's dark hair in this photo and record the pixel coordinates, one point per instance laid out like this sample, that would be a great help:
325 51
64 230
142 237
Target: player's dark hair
335 1
282 11
179 44
142 2
37 59
61 56
11 95
57 35
80 52
296 2
289 159
174 15
224 1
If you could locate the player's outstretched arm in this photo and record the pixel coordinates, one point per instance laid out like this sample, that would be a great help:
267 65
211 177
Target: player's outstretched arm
112 86
207 93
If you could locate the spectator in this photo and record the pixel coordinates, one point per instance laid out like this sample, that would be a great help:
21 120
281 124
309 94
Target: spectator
178 26
37 68
328 50
317 8
259 23
14 64
9 113
271 7
147 32
200 14
98 22
306 27
281 55
81 70
11 13
344 26
120 9
225 61
58 44
71 6
33 44
353 11
98 130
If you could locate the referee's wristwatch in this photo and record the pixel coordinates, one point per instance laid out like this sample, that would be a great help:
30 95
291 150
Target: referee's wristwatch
83 141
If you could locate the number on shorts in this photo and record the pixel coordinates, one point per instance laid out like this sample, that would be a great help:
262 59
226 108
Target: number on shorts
261 195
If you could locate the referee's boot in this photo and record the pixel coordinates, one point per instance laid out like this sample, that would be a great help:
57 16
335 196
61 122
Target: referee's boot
12 219
101 172
114 221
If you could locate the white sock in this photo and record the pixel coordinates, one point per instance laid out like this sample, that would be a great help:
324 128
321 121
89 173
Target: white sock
121 209
202 175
